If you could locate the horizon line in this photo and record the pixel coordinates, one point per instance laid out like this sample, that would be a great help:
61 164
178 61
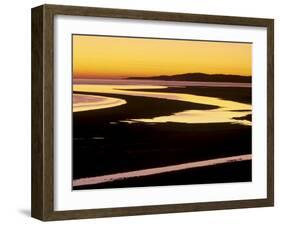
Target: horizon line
153 76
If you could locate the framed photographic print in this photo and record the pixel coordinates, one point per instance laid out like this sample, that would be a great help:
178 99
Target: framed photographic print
141 112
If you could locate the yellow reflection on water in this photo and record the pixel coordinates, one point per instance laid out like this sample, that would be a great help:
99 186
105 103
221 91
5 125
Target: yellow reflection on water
226 111
220 115
83 102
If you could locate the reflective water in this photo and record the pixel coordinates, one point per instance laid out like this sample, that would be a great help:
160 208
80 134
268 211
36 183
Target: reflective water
83 102
227 111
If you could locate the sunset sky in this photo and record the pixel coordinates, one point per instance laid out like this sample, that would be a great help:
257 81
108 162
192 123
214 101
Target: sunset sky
117 57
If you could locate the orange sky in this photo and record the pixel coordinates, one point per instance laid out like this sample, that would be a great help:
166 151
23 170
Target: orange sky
116 57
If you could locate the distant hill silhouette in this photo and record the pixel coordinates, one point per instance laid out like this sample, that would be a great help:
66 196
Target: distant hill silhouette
202 77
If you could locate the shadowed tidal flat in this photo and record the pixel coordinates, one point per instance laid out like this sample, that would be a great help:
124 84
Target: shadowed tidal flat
126 134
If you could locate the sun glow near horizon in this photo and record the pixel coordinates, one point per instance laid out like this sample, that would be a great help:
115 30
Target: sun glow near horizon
121 57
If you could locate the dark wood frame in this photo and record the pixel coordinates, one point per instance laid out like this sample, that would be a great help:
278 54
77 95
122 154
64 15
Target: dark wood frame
42 204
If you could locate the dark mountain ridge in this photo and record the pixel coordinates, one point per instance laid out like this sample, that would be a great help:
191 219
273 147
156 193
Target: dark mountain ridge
202 77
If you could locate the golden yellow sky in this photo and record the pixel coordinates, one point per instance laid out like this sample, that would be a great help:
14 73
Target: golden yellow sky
118 57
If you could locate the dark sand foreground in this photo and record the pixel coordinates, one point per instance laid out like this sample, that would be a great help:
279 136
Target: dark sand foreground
104 145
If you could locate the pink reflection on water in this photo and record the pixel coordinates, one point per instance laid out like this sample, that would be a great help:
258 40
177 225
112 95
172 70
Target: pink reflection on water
83 102
158 170
158 82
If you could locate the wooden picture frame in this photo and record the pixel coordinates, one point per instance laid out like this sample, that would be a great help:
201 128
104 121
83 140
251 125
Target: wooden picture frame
43 108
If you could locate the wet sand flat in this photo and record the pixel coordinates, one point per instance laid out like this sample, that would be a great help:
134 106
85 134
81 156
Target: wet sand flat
107 141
